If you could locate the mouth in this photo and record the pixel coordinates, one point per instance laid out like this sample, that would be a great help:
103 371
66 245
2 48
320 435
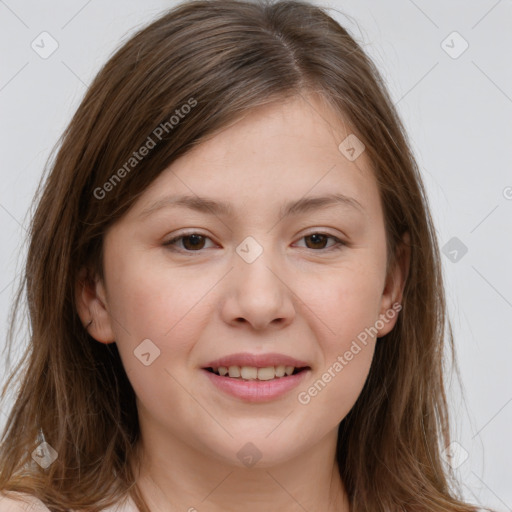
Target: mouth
248 373
256 384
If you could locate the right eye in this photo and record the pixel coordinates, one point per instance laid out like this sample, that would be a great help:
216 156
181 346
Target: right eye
192 242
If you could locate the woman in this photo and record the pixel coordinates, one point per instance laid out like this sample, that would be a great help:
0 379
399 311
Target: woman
271 369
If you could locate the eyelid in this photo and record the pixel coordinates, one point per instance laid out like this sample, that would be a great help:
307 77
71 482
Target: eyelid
321 231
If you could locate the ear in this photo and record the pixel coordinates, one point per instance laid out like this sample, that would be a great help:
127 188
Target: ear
394 286
91 303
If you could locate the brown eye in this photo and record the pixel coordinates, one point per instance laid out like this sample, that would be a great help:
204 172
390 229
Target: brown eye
195 242
192 242
318 241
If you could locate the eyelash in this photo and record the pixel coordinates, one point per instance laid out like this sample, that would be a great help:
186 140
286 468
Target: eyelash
171 243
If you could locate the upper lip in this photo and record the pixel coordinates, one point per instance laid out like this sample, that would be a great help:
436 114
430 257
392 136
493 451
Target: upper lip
256 360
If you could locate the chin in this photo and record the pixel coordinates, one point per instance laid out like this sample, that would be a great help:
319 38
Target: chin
257 453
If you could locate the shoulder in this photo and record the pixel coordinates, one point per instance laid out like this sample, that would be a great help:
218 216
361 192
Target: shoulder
21 502
125 505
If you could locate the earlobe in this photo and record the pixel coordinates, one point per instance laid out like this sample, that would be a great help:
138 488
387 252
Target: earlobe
92 307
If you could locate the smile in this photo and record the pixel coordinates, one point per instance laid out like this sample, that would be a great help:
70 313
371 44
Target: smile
246 384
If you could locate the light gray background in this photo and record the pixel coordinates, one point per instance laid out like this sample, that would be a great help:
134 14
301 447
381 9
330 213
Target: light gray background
457 112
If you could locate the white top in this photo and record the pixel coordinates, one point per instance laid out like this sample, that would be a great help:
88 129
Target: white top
29 503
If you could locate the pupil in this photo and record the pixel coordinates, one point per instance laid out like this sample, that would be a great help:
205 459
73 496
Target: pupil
316 236
193 237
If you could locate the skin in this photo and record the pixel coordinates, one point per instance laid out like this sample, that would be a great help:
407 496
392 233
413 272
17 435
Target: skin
297 298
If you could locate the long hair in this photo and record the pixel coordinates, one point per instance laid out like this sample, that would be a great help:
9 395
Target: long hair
220 59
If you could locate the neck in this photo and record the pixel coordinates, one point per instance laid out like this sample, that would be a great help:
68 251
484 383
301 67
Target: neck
175 476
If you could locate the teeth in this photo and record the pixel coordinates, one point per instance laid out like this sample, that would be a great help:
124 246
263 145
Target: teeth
253 373
280 371
267 373
249 372
234 371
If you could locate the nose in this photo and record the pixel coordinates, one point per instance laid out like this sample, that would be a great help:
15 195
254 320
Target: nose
258 293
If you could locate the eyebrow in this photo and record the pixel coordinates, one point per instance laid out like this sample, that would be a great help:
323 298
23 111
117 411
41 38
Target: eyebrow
214 207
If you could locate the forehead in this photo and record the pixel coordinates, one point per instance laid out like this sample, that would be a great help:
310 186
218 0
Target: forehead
274 154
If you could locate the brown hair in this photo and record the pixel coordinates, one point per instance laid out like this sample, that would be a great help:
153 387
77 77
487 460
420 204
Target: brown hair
222 58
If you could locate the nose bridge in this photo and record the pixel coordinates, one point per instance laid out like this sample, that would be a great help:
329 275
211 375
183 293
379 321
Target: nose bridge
256 259
251 250
259 295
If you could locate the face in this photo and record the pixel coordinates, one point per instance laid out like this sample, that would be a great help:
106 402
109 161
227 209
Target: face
185 287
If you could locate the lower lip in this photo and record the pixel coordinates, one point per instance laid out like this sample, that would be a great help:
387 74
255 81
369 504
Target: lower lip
257 390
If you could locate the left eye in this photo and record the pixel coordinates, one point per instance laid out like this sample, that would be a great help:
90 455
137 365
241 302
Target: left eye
194 242
320 238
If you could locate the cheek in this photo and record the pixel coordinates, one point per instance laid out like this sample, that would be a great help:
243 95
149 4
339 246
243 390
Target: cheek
344 307
161 310
168 306
332 393
153 299
347 346
344 300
